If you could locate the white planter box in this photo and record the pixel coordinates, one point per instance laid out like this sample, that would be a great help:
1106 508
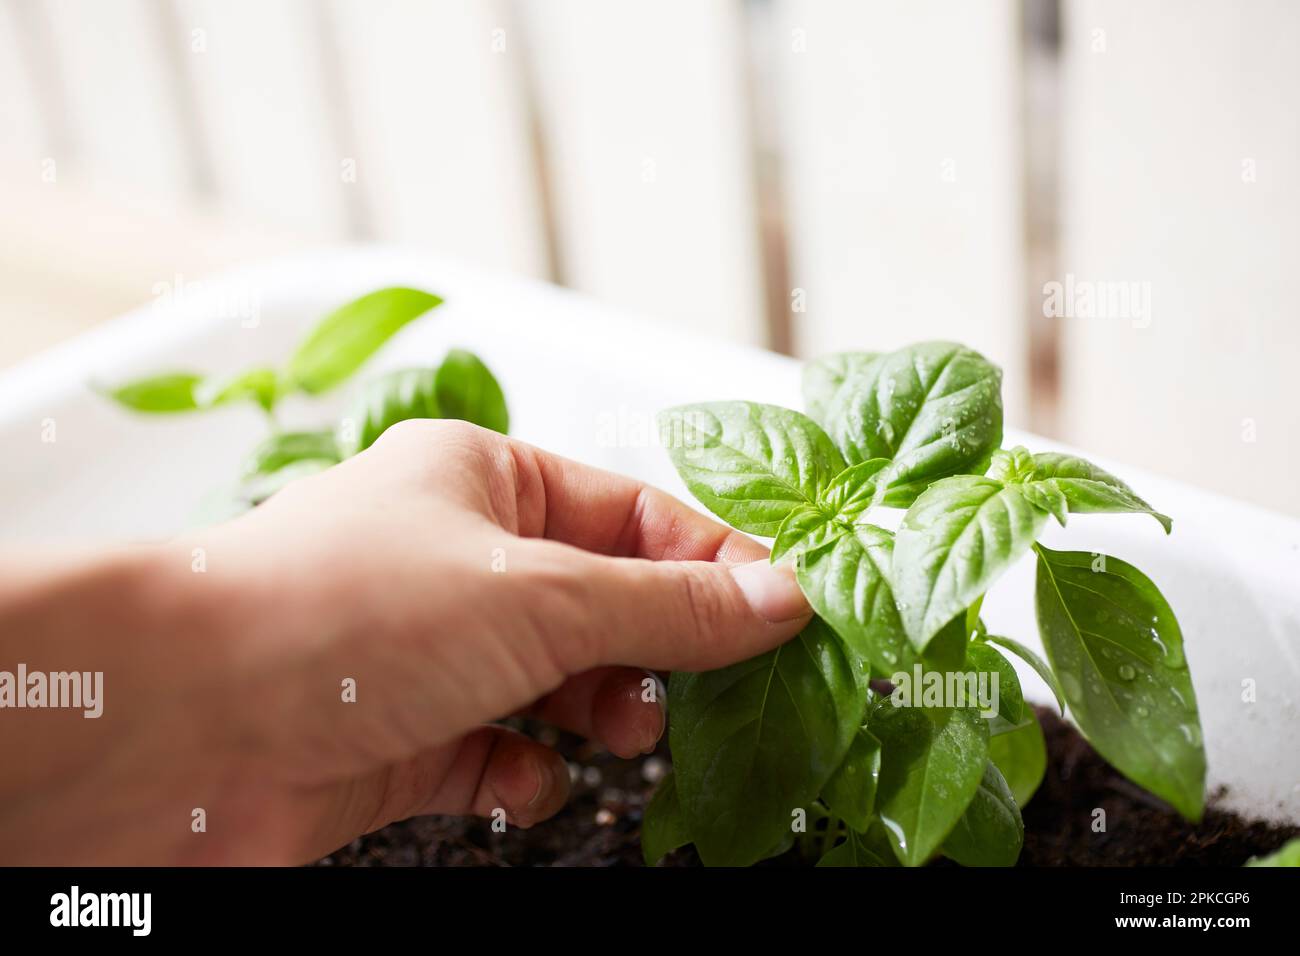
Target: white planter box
586 381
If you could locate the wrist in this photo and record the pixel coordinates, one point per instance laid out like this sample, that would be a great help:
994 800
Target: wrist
127 625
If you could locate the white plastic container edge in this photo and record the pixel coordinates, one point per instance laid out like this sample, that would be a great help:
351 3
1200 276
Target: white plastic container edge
585 380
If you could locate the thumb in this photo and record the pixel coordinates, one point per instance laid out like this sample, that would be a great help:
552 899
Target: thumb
691 615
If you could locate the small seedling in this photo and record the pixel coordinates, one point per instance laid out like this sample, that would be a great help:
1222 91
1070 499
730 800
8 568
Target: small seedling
929 766
460 387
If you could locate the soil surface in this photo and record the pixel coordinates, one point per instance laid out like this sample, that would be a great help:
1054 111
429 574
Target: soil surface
602 822
1141 830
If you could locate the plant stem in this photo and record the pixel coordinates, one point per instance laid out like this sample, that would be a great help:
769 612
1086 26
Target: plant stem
973 616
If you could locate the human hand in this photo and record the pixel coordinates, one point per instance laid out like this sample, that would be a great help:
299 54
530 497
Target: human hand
454 577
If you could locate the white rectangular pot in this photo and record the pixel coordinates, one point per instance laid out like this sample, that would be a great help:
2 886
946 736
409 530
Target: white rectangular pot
585 380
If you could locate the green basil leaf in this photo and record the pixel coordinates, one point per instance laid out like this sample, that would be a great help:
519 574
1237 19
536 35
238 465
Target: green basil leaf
847 584
1047 496
1022 757
1115 644
805 529
809 527
954 542
385 401
934 409
824 377
169 392
755 742
953 687
345 338
663 828
851 492
851 790
468 391
284 448
1089 489
1033 660
1287 855
931 764
1011 708
260 385
947 649
862 849
782 846
1011 465
990 832
750 464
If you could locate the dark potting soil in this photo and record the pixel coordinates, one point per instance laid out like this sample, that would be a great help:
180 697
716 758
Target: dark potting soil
601 824
1141 830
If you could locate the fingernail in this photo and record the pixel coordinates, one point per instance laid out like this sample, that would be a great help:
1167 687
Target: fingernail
545 780
771 590
661 694
659 723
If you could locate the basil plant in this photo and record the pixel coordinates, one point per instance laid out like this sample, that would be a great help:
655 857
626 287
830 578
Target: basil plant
461 386
855 738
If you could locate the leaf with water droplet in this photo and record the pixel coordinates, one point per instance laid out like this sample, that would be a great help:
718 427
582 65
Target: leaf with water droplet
1039 665
990 832
1010 703
1135 724
1047 496
1022 757
931 764
847 584
955 541
750 464
755 740
1088 489
807 528
851 791
824 377
934 409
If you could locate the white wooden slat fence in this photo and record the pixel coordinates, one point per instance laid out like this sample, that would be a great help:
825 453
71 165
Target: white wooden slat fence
1182 175
615 146
902 136
260 92
438 129
123 126
645 123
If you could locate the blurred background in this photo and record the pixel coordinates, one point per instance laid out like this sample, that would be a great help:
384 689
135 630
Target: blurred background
1101 195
